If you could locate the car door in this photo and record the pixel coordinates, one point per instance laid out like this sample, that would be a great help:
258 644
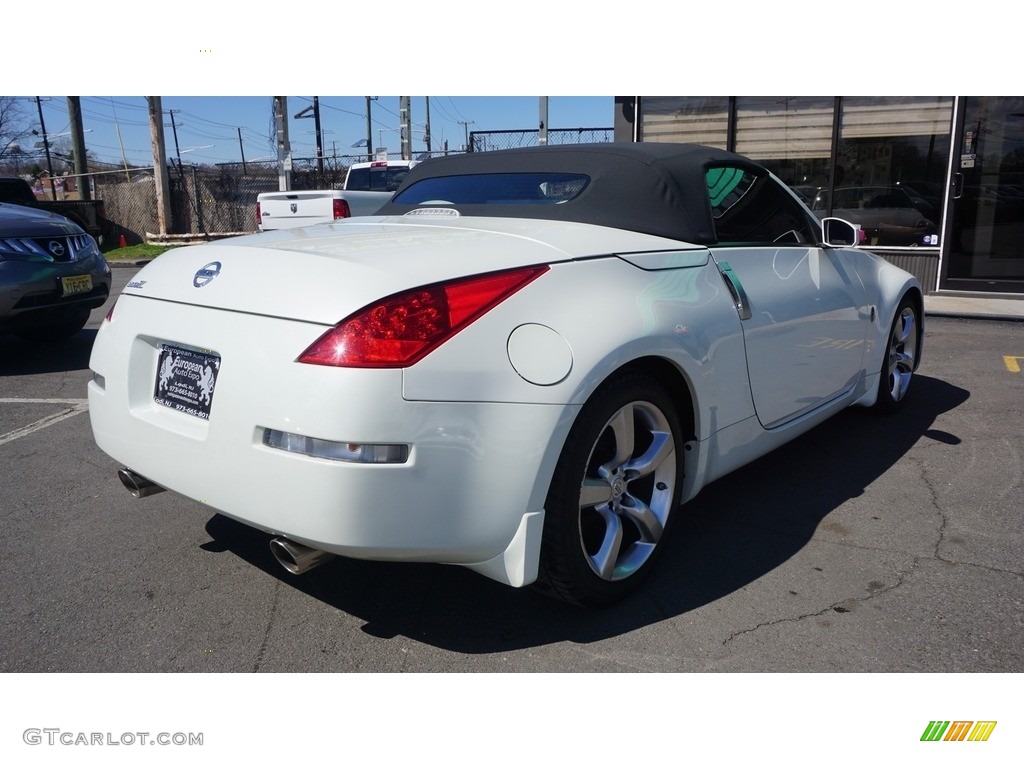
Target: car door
801 306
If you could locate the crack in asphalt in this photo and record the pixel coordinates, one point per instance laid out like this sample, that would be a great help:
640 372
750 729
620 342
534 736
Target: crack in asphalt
901 576
270 623
834 607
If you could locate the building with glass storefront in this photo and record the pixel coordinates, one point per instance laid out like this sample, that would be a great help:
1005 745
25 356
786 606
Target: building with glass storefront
936 182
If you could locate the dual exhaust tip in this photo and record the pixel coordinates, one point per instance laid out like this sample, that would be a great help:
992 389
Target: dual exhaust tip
297 558
137 485
294 557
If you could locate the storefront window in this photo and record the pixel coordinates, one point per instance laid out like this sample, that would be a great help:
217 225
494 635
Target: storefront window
790 135
891 167
686 120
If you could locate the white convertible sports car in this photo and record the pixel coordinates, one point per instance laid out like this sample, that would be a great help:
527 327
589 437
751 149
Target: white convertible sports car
524 364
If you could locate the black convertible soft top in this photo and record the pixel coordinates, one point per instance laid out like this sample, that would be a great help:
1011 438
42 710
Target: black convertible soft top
654 188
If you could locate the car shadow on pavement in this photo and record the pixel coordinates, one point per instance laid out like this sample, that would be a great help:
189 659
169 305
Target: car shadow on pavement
736 530
20 358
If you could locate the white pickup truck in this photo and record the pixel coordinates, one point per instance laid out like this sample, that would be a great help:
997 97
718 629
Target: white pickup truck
367 187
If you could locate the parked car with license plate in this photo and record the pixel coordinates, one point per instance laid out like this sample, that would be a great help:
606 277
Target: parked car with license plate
523 364
52 274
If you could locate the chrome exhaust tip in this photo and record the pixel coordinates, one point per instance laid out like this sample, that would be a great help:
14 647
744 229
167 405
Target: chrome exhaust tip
138 485
297 558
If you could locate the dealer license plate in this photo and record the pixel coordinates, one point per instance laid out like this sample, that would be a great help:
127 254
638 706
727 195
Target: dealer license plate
186 379
77 284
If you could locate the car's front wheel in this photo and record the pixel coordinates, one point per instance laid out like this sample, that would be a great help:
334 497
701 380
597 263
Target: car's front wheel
615 487
901 356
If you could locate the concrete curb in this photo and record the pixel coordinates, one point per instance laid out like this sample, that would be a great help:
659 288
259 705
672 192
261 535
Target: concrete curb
973 307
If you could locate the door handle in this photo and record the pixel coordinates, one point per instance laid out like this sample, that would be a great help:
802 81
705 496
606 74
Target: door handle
732 282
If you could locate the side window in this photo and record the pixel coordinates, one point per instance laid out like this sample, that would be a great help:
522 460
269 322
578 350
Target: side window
755 209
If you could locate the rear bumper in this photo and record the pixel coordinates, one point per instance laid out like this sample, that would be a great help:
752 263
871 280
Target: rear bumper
474 473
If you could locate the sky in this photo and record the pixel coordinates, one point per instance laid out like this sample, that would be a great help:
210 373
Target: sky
216 129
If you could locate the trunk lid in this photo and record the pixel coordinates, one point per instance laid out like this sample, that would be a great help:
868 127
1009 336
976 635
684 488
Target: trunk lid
322 274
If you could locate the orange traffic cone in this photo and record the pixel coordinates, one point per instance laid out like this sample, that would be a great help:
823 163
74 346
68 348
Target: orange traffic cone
122 242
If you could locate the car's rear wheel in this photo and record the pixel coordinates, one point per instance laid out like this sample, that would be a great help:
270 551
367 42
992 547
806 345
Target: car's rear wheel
900 358
615 487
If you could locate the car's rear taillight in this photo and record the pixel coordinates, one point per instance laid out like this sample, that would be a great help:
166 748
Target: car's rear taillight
341 209
398 331
110 312
259 216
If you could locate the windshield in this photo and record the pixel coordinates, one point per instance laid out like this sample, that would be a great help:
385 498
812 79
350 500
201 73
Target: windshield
496 189
376 179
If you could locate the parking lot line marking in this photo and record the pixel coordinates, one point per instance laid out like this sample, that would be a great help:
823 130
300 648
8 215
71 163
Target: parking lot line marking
76 406
79 401
1011 363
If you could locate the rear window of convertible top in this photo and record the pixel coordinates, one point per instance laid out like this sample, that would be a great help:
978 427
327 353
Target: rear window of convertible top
495 189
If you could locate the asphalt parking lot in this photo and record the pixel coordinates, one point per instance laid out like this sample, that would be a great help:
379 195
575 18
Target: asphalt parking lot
872 544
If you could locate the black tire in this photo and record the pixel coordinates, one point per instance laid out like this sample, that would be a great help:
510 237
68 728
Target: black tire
900 357
615 487
60 331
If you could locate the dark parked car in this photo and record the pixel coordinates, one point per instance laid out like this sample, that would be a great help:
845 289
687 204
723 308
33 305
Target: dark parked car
888 215
52 274
90 215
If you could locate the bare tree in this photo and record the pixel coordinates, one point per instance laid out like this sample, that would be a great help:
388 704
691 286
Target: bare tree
14 126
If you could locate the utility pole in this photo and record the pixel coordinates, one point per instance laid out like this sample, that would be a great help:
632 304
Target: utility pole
542 134
319 136
242 150
46 146
284 150
426 136
369 128
156 133
465 124
405 119
78 146
316 128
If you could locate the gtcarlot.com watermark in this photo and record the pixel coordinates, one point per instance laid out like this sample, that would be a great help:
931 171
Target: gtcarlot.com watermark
53 737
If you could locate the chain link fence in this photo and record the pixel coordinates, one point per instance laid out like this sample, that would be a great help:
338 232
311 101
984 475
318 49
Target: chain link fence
485 141
212 201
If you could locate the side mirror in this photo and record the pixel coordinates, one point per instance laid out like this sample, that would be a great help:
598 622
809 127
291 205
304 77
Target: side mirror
839 233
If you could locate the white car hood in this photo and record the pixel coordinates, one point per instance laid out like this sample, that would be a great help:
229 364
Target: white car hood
324 273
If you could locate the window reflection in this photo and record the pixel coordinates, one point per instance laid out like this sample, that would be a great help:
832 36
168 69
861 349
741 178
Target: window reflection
790 135
890 165
891 162
686 120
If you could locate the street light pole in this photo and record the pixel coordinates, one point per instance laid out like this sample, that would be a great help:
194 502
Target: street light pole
174 130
